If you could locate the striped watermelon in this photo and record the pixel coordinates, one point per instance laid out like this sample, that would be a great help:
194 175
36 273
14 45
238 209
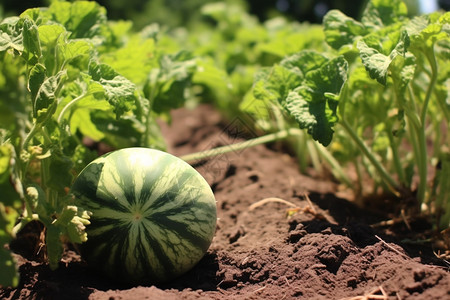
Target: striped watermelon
153 215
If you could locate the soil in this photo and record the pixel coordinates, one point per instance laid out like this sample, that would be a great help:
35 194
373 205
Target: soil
323 247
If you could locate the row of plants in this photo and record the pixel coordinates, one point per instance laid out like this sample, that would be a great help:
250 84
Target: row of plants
371 94
377 96
172 13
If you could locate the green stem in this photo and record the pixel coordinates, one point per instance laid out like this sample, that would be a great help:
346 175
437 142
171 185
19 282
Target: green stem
423 170
312 151
46 136
23 221
433 64
336 168
69 106
370 156
421 190
359 175
437 138
413 134
300 148
151 100
50 194
30 135
394 145
242 145
396 158
362 146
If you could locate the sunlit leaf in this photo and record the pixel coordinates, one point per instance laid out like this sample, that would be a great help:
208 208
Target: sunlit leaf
31 42
341 30
377 63
11 34
119 91
379 13
314 103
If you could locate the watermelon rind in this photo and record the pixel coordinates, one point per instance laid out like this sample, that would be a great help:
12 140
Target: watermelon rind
153 215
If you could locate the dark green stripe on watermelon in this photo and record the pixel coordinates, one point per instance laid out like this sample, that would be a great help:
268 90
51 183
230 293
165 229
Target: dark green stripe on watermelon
86 186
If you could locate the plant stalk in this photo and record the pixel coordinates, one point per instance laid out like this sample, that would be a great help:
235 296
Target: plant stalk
423 160
30 135
69 106
396 158
337 169
242 145
370 156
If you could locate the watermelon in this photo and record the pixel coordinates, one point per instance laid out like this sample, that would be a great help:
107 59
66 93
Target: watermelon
153 215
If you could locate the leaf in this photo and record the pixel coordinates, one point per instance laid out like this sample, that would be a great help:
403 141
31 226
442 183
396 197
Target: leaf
59 52
121 133
45 104
375 62
272 86
257 103
424 31
208 74
36 14
341 30
81 120
50 33
276 83
302 62
382 13
91 98
52 37
31 44
133 60
36 78
75 50
314 103
11 34
118 90
329 78
167 86
285 38
81 18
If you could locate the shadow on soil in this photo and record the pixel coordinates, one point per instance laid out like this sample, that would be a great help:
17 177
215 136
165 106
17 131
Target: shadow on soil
356 223
75 280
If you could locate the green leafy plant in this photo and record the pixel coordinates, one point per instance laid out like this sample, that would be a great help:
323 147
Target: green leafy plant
225 76
378 97
68 74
